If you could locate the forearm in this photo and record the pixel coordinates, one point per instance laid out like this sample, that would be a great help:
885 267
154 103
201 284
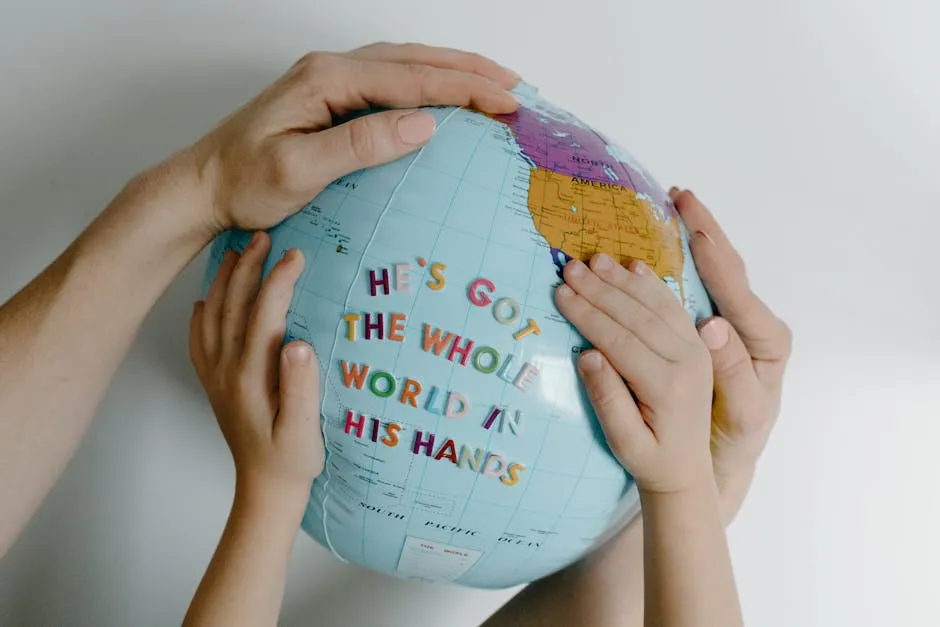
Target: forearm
244 583
605 589
64 334
688 574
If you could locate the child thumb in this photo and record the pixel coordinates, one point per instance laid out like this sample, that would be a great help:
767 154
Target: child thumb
735 379
299 385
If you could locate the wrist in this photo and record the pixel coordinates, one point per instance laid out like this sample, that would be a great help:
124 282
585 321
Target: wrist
733 488
281 502
703 489
176 194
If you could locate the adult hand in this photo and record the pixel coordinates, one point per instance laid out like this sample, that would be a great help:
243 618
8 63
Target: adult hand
258 166
272 156
749 346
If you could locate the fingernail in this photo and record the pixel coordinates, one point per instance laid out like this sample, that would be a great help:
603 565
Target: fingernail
575 267
603 262
674 190
590 361
514 74
714 333
638 267
704 235
416 128
254 239
298 354
564 291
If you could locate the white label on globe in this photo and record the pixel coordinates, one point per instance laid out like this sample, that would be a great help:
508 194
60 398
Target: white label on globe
424 559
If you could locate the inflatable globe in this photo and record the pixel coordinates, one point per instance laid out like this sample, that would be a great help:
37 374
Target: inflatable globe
460 444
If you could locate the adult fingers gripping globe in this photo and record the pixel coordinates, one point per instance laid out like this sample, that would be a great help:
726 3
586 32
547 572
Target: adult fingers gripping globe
460 444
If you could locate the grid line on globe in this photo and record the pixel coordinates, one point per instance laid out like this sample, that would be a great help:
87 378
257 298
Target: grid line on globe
483 217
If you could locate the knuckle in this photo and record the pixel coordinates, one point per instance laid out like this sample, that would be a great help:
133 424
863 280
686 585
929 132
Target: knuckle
477 62
602 396
641 318
195 357
244 382
376 45
737 364
283 166
420 74
664 302
362 141
785 340
411 48
418 70
228 312
695 360
620 342
314 63
220 383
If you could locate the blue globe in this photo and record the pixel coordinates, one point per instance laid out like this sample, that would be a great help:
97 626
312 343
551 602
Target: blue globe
460 445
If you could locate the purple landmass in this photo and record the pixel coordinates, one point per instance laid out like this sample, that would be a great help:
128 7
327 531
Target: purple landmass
553 139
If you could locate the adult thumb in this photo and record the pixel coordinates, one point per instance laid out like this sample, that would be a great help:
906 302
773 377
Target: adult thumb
736 381
370 140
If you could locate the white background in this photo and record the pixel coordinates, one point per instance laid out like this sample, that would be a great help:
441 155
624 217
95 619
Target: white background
811 126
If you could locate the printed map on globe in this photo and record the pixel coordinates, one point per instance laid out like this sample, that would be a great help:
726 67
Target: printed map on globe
460 445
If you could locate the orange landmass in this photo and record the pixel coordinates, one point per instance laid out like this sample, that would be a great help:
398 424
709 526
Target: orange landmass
583 218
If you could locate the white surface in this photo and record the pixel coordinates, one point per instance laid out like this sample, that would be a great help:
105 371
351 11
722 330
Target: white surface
811 126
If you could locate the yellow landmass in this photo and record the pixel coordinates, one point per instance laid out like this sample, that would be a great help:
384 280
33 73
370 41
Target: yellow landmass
583 218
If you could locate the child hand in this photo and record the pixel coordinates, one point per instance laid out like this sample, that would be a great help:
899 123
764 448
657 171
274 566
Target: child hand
266 398
647 341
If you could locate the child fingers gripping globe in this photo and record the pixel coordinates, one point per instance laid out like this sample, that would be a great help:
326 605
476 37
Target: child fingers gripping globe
649 380
266 400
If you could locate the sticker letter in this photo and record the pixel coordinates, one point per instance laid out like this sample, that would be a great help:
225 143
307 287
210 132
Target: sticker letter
448 451
401 277
355 424
525 376
395 327
477 296
427 445
391 439
532 328
434 343
514 311
375 282
512 474
351 320
354 375
474 462
494 470
463 352
389 384
377 325
409 392
453 400
437 272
